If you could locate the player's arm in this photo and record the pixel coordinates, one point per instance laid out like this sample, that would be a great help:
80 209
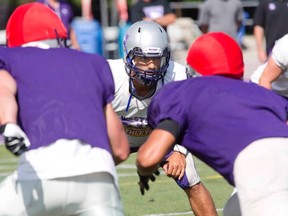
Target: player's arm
150 155
259 37
159 142
8 104
15 139
117 136
153 151
271 72
166 20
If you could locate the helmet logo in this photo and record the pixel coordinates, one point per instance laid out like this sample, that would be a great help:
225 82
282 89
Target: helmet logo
152 51
124 43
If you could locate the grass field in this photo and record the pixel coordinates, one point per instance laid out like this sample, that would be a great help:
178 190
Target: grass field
164 197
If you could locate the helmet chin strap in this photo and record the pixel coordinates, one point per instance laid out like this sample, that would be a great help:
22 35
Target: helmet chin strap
133 92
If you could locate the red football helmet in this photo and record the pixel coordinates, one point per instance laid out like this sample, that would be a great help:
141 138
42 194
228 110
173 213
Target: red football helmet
33 22
216 54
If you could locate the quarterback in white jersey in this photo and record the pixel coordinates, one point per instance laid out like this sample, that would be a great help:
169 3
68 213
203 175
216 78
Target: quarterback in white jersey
274 73
146 67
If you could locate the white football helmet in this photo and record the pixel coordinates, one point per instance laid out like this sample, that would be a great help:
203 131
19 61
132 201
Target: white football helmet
146 39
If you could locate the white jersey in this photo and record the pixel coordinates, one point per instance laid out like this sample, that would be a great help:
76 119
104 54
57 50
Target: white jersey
134 120
280 57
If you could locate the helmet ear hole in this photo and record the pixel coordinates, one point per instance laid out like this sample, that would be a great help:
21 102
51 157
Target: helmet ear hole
33 22
146 39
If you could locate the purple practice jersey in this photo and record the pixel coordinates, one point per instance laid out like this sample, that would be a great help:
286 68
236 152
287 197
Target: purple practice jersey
61 94
219 117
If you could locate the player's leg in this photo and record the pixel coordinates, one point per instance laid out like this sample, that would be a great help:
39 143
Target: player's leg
200 200
21 198
199 197
97 195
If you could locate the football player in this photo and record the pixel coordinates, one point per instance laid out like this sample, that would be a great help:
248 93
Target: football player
231 125
58 120
145 69
273 74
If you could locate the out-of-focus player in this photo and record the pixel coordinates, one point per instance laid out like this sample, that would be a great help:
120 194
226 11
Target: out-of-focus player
56 115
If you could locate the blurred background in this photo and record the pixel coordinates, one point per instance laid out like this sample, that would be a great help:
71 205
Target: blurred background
103 33
182 8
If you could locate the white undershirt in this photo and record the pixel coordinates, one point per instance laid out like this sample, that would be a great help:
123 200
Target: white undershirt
64 158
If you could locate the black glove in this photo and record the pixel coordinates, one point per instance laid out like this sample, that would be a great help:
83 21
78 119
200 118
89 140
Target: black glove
143 181
15 139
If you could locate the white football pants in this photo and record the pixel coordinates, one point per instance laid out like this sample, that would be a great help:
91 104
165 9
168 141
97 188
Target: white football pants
86 195
261 178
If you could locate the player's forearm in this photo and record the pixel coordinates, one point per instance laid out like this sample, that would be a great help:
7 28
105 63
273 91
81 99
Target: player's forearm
259 37
8 104
144 170
152 152
271 72
8 109
166 19
117 136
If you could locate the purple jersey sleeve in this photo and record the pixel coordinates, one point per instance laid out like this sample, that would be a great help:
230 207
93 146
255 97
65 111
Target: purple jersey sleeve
106 79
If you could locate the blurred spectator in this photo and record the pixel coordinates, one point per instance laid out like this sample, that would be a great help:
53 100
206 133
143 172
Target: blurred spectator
91 9
96 9
64 11
269 25
242 31
122 10
152 10
221 16
4 13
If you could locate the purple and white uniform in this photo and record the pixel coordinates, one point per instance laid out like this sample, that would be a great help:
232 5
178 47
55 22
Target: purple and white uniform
137 113
42 94
239 129
61 95
219 117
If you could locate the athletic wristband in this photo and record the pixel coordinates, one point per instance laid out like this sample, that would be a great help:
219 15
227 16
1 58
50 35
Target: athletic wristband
181 149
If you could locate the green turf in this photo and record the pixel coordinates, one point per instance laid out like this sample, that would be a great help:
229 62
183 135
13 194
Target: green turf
164 196
7 162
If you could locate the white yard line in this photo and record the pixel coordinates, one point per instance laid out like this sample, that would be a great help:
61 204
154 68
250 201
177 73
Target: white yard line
178 213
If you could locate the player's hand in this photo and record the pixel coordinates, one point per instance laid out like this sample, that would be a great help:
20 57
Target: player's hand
262 56
15 139
175 165
143 181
